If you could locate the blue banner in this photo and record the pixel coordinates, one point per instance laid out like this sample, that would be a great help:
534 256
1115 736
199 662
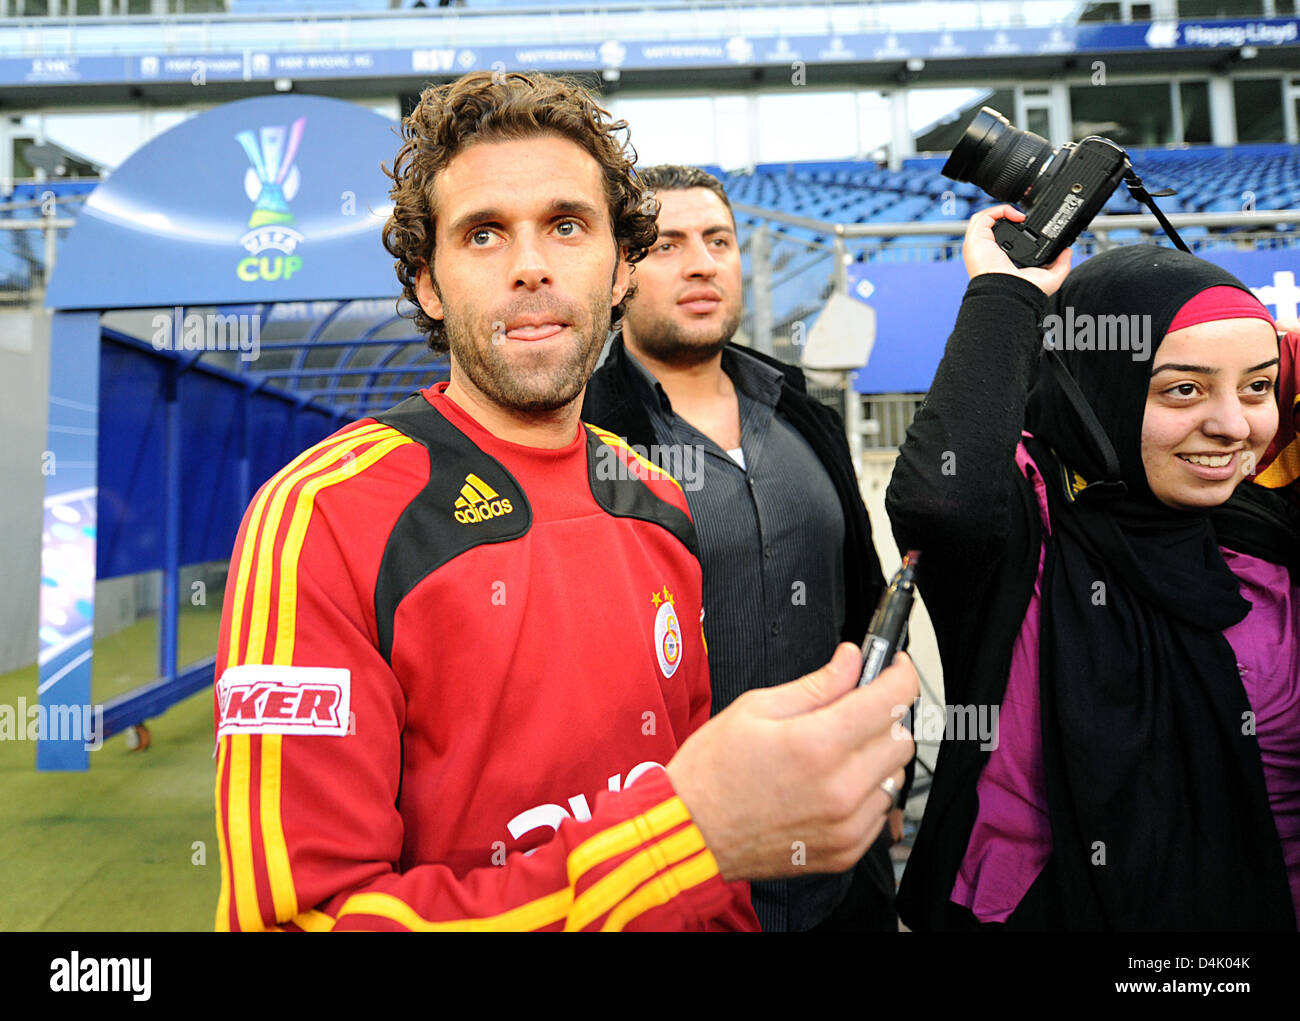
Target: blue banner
279 198
255 64
916 306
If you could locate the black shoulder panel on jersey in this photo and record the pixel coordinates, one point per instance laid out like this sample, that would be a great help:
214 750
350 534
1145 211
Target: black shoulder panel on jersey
470 500
625 496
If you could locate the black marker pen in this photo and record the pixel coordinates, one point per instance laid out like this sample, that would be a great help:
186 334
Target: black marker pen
889 624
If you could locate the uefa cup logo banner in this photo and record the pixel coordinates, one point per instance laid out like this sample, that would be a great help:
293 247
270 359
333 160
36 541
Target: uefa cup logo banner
271 184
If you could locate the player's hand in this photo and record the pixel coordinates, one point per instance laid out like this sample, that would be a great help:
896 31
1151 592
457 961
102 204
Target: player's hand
982 253
786 781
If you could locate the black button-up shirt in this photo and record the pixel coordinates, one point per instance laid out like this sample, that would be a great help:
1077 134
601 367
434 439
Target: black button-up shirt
771 538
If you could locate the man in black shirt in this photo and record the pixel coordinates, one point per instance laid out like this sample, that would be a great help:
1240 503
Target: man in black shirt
789 566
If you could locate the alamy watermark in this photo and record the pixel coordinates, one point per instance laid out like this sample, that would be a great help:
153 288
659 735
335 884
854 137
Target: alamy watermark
683 462
77 974
1087 332
84 723
934 723
209 331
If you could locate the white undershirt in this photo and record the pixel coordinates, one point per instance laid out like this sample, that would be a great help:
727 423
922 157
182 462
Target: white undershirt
737 455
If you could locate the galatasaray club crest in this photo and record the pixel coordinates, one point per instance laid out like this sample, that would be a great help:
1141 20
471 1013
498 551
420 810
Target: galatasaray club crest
271 183
668 633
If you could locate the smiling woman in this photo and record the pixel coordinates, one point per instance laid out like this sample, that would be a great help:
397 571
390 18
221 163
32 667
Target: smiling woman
1210 411
1146 665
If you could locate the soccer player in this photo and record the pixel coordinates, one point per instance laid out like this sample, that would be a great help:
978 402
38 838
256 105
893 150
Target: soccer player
462 682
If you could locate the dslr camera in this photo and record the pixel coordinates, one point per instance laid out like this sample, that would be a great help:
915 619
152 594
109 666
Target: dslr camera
1059 190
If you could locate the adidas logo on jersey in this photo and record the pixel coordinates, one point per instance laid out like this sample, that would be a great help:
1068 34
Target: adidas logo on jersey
479 502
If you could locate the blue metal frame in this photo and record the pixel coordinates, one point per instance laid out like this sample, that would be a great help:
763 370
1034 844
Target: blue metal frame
169 608
364 370
289 345
368 336
361 390
71 468
150 700
68 665
320 328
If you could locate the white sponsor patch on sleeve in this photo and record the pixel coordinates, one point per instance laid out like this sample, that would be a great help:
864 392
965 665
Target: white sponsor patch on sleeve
260 699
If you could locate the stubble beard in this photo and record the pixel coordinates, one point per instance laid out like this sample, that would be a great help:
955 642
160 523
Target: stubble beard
540 381
664 339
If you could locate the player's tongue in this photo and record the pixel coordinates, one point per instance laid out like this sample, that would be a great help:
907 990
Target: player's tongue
538 332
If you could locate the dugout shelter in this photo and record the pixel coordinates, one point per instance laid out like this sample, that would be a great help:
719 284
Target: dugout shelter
223 302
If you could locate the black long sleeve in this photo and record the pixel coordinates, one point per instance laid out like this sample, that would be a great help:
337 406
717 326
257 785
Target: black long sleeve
957 496
952 485
955 493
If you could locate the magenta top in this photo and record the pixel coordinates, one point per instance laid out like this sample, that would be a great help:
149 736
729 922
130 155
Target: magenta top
1012 839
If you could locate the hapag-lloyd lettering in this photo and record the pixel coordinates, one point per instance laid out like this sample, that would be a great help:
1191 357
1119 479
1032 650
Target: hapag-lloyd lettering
1240 35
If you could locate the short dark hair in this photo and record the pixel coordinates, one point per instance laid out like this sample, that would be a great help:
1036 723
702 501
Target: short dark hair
674 177
487 106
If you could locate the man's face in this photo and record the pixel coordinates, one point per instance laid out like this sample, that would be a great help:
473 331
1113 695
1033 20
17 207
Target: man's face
527 269
687 303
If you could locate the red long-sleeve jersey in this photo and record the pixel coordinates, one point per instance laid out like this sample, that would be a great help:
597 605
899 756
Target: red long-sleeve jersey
451 669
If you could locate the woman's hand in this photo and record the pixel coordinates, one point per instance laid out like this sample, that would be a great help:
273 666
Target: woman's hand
982 253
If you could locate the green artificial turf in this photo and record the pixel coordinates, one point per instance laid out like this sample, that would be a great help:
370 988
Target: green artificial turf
114 848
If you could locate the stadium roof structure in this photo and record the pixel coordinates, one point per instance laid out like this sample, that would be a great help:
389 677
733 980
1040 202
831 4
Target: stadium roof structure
222 303
253 215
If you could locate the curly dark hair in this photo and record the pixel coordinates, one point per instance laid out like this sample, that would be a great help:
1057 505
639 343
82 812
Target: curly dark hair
488 106
676 177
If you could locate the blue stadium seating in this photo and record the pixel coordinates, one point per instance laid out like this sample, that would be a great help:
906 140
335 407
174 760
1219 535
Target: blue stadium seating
22 253
1206 179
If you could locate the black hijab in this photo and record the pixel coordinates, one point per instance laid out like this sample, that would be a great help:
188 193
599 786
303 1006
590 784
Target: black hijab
1159 814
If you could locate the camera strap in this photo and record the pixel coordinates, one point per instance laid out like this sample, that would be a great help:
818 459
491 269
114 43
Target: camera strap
1110 485
1138 190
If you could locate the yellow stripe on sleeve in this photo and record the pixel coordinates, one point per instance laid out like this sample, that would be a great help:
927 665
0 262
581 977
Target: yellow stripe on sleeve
252 534
223 901
314 921
610 889
662 889
273 838
241 840
276 849
534 915
259 543
552 908
275 512
625 836
287 611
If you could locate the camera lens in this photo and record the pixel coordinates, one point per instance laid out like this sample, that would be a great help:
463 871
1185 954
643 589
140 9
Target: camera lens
994 156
